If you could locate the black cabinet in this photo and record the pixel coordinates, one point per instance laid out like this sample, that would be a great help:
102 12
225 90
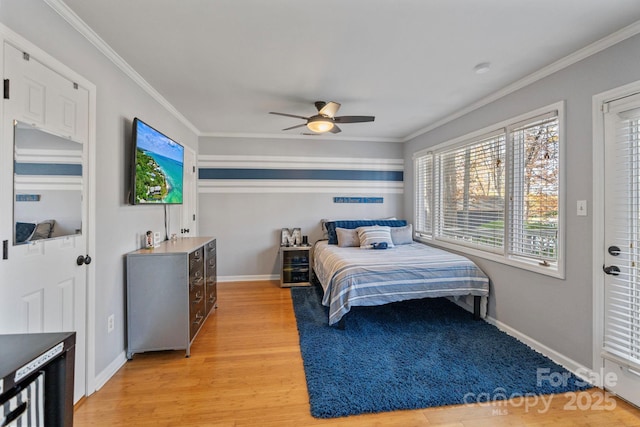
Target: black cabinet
295 266
36 378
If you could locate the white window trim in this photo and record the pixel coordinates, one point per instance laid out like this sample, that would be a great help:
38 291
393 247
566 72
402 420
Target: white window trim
556 270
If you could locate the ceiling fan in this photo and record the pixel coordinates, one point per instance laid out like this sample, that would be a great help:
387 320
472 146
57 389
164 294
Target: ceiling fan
325 120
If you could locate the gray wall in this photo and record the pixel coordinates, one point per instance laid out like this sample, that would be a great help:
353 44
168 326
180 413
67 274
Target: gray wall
119 100
248 225
557 313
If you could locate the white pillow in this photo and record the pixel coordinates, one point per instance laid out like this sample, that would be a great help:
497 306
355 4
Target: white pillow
374 234
347 238
402 235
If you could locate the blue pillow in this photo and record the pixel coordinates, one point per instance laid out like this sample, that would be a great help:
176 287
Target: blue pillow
24 230
355 223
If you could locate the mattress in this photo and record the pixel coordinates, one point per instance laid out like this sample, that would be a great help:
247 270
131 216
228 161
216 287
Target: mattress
366 277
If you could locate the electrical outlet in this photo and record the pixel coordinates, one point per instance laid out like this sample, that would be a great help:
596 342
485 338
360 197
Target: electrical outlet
111 323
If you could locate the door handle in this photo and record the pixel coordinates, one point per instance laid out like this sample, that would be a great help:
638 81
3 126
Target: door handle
83 260
612 270
614 250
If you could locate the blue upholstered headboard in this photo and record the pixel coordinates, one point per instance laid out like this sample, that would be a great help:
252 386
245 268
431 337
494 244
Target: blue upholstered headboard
331 226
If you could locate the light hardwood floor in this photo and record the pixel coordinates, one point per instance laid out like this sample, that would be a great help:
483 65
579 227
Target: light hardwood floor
245 369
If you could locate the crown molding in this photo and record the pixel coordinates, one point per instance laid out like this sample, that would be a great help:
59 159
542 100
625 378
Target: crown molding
579 55
79 25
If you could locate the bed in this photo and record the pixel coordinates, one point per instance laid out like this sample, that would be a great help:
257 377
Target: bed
351 275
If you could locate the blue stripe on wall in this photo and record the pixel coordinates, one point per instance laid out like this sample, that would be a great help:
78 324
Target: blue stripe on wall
47 169
316 174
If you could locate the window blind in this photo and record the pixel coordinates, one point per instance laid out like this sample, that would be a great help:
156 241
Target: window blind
424 195
535 188
622 292
496 192
471 189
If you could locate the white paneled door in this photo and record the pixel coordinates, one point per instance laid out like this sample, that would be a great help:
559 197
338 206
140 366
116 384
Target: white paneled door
44 177
188 224
621 334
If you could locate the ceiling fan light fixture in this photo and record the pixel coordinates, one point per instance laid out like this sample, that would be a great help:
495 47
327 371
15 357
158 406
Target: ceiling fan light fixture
320 124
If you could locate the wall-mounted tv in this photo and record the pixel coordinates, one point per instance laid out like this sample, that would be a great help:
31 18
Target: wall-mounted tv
157 167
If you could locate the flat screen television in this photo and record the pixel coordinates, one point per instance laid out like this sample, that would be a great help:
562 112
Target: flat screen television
157 167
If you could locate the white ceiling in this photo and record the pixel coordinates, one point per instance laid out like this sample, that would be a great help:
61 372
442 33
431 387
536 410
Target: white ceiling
224 64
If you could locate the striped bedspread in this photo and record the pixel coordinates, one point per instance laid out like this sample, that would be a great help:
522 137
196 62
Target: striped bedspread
365 277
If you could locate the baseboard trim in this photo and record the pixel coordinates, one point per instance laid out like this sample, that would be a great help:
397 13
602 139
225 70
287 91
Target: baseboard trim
571 365
581 371
109 371
248 278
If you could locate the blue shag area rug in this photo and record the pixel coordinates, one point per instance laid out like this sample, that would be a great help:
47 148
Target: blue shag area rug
414 354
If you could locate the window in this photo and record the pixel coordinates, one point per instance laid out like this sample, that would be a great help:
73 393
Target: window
496 193
534 193
424 195
472 193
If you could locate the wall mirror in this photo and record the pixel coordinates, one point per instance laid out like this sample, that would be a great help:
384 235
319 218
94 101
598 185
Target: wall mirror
47 185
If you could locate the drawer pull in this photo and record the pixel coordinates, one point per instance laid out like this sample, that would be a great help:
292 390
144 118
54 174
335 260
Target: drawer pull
195 283
198 319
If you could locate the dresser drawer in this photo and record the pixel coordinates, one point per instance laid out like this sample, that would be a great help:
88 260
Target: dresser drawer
196 260
197 315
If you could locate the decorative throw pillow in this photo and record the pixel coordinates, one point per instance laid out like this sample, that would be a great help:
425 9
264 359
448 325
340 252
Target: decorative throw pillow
330 226
347 238
402 235
43 230
374 234
23 231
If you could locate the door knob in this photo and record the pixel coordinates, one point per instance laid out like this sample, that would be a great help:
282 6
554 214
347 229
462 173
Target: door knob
83 260
612 270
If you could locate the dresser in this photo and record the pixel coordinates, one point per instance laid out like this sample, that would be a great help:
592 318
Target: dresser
171 290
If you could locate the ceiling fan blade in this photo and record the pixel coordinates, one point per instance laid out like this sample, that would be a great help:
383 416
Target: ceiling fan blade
335 129
296 126
329 109
353 119
289 115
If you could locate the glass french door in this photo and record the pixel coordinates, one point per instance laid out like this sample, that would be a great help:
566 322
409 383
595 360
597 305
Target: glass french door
621 341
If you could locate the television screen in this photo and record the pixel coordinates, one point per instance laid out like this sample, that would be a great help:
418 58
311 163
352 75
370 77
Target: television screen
157 166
